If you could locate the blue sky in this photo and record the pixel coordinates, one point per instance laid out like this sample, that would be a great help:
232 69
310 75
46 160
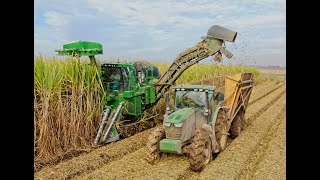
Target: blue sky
160 30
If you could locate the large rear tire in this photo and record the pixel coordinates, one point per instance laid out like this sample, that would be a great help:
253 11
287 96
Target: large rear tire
200 150
236 127
221 131
153 143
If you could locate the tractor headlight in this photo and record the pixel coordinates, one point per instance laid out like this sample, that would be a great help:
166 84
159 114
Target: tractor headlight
178 125
167 124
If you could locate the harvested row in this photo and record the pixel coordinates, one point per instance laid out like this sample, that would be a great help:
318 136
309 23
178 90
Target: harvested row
263 105
272 163
94 159
106 154
263 90
233 160
135 166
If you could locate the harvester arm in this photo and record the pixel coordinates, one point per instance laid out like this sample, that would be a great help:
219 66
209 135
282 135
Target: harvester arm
210 45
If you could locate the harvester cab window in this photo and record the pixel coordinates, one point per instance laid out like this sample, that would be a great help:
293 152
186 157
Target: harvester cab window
116 78
113 74
185 99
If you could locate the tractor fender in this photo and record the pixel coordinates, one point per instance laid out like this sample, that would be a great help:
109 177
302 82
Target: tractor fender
214 115
212 135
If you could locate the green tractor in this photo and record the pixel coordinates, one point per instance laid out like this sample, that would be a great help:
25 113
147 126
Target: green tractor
201 120
134 88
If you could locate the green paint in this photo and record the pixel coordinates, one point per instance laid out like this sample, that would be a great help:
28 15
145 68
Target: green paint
179 116
170 145
133 106
214 114
127 94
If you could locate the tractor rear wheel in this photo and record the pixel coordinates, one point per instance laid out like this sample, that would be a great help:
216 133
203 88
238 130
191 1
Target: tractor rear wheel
236 126
200 150
153 145
221 131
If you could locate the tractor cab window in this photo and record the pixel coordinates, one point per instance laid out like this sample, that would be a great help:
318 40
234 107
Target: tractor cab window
193 99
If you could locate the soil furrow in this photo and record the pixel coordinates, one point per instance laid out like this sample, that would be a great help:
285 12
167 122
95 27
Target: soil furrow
253 100
94 159
273 164
260 152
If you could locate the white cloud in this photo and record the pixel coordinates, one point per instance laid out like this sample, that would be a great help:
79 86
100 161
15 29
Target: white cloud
157 13
158 29
260 20
135 51
56 19
274 40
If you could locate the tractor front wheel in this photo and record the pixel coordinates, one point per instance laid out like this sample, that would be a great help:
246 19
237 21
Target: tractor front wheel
200 150
153 145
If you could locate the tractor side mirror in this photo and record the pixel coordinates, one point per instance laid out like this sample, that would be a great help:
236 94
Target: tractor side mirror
219 96
167 100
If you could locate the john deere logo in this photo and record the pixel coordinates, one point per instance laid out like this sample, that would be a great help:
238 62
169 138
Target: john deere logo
172 128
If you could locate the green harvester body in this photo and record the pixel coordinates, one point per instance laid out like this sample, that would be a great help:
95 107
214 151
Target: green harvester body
135 83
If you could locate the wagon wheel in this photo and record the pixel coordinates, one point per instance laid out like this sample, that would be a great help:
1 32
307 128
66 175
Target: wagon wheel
221 130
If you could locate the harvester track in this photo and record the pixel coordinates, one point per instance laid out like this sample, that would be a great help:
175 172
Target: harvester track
124 152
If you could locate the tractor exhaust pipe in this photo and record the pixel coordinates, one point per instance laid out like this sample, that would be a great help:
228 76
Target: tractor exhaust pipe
222 33
114 117
167 102
103 123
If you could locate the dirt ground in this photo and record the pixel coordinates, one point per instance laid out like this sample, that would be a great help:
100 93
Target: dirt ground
258 153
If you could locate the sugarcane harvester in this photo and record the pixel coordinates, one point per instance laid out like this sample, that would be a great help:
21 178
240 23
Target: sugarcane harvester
132 88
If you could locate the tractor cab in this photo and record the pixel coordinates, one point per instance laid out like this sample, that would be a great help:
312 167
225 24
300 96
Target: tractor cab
197 97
